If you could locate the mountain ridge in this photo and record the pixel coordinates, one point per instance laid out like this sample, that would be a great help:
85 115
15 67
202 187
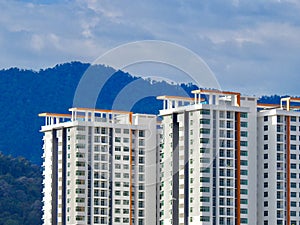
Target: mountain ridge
26 93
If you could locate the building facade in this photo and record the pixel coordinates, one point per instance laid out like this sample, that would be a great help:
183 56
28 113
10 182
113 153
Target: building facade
216 159
208 160
279 163
99 167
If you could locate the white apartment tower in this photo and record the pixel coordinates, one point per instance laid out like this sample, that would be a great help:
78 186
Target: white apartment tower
99 168
279 163
208 159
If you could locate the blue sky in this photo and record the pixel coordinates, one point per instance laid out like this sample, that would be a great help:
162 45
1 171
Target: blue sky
251 46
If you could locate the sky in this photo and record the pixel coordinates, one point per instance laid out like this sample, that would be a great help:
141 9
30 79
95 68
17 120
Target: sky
251 46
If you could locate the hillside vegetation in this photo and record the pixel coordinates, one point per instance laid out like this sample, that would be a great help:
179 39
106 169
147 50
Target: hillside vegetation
26 93
20 191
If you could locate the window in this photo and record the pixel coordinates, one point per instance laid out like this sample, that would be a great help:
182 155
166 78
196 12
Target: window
244 211
244 115
204 208
244 162
244 201
244 182
141 160
125 202
244 191
266 127
204 160
244 220
141 133
229 124
141 142
204 121
204 140
244 143
222 113
204 199
204 218
204 111
244 133
265 118
204 189
293 166
244 172
204 150
204 179
204 131
294 204
229 115
266 137
244 124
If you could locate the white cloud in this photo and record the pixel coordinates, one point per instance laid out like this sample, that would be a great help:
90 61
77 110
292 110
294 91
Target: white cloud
244 42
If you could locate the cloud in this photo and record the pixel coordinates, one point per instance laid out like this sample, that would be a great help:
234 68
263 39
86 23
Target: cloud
244 42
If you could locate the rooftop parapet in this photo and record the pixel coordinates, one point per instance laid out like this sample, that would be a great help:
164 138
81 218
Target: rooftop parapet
202 96
286 103
88 115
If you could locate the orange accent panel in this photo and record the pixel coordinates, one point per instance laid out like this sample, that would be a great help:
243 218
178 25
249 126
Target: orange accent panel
174 97
295 99
238 169
288 151
239 99
99 110
268 105
130 117
54 115
216 91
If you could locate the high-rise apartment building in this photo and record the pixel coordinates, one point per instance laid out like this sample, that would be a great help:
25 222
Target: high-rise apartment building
208 160
216 159
99 167
279 163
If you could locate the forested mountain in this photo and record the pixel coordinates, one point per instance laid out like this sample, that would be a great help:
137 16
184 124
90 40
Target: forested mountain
20 191
26 93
